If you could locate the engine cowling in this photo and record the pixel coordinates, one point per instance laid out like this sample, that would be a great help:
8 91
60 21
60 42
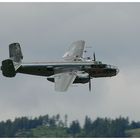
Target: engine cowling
81 80
7 68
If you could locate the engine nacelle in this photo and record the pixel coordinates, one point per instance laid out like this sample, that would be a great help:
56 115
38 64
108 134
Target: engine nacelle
7 68
81 80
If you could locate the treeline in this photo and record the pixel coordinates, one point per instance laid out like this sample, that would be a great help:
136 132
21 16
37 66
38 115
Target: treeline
101 127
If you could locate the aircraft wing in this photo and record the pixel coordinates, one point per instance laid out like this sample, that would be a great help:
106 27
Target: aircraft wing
75 51
64 80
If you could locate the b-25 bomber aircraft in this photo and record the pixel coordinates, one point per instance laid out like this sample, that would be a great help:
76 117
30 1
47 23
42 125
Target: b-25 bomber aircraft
73 69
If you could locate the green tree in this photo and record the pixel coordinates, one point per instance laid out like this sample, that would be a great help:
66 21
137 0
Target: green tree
8 129
119 126
99 128
87 127
74 128
2 127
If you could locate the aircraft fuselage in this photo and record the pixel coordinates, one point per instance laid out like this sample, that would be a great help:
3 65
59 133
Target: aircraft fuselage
49 68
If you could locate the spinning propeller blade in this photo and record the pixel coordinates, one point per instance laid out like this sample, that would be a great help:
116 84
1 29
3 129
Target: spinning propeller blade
94 57
89 83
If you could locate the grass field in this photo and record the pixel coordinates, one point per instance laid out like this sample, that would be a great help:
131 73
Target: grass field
59 132
44 131
134 133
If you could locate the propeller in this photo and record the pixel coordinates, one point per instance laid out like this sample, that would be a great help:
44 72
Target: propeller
94 57
89 83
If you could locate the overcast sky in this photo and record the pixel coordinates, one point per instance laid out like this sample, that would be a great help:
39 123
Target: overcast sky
45 31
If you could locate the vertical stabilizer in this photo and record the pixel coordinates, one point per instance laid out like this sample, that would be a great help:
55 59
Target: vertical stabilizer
15 53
